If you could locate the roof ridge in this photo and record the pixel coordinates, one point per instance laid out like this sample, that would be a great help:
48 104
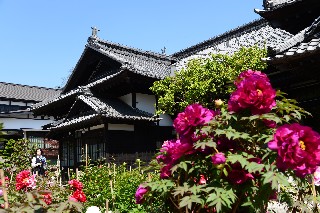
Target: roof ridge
24 85
275 4
130 49
229 33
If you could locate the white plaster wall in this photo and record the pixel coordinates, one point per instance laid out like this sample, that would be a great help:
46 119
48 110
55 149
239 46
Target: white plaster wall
18 103
124 127
127 99
13 123
5 102
258 35
166 120
146 102
97 127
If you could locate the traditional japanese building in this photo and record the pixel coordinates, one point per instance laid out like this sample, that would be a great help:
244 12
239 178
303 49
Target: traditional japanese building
18 121
106 106
294 63
290 30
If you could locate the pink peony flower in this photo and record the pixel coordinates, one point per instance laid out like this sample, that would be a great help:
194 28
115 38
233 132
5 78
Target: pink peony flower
141 191
47 198
24 180
298 148
202 180
316 176
254 92
245 74
171 152
79 196
32 182
75 184
194 115
218 158
1 192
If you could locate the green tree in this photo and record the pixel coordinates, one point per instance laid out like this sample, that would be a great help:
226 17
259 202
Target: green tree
17 155
205 80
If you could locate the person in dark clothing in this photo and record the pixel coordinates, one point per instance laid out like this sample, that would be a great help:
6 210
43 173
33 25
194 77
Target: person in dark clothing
39 163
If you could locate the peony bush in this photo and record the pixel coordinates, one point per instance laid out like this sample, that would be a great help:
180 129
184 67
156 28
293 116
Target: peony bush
31 193
239 156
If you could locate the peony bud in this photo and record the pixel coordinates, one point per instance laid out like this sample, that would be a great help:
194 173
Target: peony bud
218 103
218 158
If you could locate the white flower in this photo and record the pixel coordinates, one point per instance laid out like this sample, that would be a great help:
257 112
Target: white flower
93 209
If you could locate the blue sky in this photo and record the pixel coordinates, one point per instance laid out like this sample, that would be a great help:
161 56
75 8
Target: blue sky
41 41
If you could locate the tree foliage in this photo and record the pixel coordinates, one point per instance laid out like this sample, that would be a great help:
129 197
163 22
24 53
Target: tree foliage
204 80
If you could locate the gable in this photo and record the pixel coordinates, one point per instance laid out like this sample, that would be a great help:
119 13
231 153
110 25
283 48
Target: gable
91 66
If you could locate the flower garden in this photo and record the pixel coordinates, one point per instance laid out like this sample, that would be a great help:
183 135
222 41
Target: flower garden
242 154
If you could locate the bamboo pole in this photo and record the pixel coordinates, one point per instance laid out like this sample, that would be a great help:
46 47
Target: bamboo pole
86 155
77 173
107 205
5 195
68 173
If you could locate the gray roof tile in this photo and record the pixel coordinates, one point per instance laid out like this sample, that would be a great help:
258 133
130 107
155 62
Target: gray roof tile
258 32
26 93
109 108
303 42
142 62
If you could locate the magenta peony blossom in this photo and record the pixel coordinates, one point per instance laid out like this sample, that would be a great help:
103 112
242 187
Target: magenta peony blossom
249 73
171 152
218 158
254 92
194 115
1 192
141 191
298 148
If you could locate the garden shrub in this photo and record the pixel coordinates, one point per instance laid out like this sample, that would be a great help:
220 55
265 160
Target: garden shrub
205 80
116 184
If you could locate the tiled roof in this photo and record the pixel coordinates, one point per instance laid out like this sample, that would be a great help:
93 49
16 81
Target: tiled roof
142 62
115 108
305 42
109 109
275 4
26 93
57 98
258 32
298 50
75 92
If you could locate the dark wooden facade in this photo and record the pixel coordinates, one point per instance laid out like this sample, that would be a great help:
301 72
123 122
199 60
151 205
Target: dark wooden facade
106 107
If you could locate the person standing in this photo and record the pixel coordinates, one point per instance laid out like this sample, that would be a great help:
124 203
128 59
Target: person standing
39 163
